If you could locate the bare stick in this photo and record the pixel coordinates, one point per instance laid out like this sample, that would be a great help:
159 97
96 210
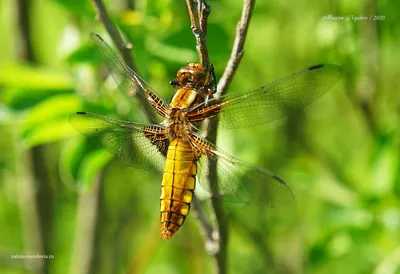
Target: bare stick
130 4
368 85
198 12
216 242
34 187
237 51
205 223
86 223
215 238
124 49
199 31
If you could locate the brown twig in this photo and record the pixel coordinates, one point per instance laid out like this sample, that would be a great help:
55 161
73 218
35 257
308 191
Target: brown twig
29 210
130 4
215 238
216 242
26 48
370 66
86 223
211 130
34 184
237 51
198 13
205 223
124 49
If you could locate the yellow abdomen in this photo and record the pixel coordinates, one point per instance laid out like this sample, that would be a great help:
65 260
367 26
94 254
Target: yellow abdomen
177 186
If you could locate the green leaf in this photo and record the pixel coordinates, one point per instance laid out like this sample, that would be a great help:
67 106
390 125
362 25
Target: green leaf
72 156
84 54
77 7
34 78
91 167
20 99
25 86
49 132
52 110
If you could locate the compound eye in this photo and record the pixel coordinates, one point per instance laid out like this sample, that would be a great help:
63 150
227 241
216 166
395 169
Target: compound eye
193 74
182 76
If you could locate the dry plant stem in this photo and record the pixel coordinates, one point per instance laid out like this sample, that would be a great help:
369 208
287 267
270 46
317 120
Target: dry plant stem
218 239
198 13
205 224
370 66
130 4
85 232
211 132
34 188
237 51
217 245
29 210
215 238
194 7
123 48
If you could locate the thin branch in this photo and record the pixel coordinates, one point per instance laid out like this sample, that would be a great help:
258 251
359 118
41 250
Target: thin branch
216 242
215 238
237 51
25 30
34 187
205 223
85 231
204 11
130 4
198 13
124 49
29 210
370 66
211 125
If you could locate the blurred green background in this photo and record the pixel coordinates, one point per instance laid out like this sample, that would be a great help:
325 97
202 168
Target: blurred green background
62 195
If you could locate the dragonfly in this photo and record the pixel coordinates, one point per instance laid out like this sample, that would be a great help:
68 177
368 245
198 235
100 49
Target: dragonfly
171 144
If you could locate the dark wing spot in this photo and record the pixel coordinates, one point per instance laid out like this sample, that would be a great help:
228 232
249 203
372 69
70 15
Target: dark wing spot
81 112
98 36
279 179
315 67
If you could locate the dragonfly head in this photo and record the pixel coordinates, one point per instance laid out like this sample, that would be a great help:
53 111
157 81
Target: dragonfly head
195 76
192 75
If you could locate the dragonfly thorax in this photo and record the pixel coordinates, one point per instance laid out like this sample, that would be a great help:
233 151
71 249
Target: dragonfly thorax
177 123
184 98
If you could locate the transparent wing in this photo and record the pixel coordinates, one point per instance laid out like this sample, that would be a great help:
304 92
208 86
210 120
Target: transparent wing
238 181
272 101
141 94
141 146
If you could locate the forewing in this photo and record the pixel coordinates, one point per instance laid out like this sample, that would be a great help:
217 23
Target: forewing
238 181
142 95
272 101
141 146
